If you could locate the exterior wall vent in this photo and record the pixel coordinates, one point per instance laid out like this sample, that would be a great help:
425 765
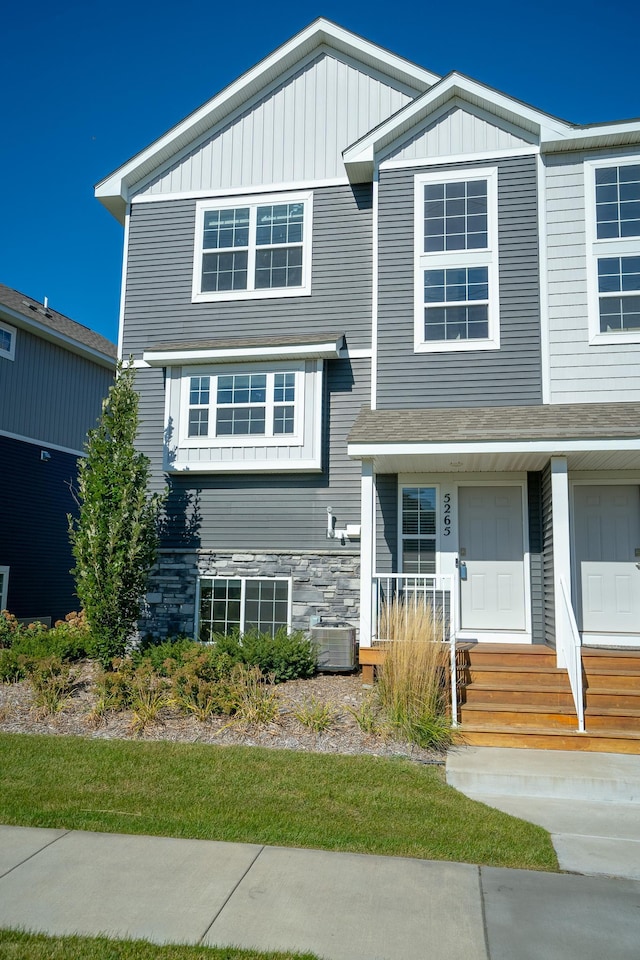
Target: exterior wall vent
336 647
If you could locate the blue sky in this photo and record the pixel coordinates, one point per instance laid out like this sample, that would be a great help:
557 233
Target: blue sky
86 86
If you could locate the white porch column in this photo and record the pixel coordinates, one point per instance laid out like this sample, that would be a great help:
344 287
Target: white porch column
367 551
561 542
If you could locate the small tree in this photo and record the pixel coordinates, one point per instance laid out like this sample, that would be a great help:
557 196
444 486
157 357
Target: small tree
114 539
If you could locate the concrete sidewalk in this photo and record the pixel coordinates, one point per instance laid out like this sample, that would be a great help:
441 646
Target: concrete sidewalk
589 802
340 906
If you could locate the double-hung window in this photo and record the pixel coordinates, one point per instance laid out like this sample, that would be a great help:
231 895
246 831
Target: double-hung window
241 604
7 341
228 405
613 235
418 530
253 247
456 261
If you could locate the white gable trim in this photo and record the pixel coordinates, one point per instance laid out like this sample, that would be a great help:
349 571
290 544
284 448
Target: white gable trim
242 191
114 190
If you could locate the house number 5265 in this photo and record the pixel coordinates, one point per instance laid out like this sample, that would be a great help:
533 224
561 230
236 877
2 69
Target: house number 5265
447 514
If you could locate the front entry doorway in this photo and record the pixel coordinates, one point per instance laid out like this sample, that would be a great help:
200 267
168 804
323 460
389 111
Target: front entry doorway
491 545
607 549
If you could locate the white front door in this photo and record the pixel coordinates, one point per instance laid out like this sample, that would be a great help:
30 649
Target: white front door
607 545
491 544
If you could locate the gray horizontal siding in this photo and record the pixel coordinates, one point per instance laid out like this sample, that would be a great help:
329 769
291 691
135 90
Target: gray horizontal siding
158 303
266 511
387 523
509 375
49 394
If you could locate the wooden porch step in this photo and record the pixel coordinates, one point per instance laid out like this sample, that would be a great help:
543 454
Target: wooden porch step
607 680
494 716
541 739
500 693
516 676
624 700
508 653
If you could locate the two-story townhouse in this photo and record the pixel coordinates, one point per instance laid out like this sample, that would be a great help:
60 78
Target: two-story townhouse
341 231
54 374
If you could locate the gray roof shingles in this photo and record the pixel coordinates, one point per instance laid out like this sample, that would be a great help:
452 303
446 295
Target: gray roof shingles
570 421
57 322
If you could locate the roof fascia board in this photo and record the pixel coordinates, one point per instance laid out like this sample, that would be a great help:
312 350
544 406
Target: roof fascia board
113 189
626 133
455 86
31 325
360 450
318 351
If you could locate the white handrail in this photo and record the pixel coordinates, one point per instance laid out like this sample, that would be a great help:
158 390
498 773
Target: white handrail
570 645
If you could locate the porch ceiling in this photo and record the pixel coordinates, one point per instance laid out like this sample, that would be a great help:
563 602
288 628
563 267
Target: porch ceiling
490 439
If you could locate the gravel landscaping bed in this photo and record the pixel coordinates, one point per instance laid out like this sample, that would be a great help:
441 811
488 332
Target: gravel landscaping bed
18 714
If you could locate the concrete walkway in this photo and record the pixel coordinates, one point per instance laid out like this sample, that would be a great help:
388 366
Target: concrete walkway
340 906
589 802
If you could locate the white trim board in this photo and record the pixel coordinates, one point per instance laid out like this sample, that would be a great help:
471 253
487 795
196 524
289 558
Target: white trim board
43 443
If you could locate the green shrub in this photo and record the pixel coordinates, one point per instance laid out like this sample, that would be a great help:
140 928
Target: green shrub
11 666
9 629
165 655
285 656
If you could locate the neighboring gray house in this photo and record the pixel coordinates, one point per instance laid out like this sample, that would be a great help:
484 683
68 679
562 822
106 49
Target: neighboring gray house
54 374
352 285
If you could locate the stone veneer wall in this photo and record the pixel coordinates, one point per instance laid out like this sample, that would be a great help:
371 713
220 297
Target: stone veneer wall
325 584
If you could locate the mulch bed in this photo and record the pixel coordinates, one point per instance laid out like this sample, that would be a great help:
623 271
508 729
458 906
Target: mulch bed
18 714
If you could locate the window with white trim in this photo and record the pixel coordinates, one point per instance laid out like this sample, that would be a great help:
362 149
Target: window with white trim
613 234
241 604
7 341
4 587
253 247
228 406
456 272
418 529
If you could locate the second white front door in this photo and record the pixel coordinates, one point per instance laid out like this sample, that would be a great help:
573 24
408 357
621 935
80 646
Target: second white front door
607 544
491 545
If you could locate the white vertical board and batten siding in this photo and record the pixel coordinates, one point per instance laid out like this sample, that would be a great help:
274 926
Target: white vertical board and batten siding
580 372
294 132
456 132
272 510
158 305
510 375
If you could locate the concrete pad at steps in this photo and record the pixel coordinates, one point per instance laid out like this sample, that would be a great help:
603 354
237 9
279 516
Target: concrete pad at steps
18 844
587 818
124 886
537 916
598 856
353 907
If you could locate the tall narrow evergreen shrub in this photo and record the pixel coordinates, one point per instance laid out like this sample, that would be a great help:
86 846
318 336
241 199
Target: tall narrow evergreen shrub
114 539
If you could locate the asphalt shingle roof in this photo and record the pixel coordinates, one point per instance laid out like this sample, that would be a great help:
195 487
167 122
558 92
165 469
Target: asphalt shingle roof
28 307
570 421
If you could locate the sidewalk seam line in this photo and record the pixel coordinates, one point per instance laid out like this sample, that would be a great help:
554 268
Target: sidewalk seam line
230 894
35 854
484 915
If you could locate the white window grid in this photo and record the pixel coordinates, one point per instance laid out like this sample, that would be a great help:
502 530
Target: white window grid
613 248
261 597
282 409
255 252
7 341
470 255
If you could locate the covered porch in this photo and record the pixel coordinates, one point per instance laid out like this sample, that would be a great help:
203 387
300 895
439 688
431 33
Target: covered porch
519 525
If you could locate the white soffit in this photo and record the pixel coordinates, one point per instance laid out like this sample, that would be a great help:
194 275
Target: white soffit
113 191
166 356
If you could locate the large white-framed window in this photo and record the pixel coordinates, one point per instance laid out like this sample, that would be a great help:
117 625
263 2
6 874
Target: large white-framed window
241 604
612 203
7 341
237 405
253 247
4 587
418 508
456 260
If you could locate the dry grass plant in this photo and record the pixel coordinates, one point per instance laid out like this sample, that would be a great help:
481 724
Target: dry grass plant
413 688
316 714
255 700
52 681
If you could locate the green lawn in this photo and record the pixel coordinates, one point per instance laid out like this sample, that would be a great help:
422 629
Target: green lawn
362 804
16 945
